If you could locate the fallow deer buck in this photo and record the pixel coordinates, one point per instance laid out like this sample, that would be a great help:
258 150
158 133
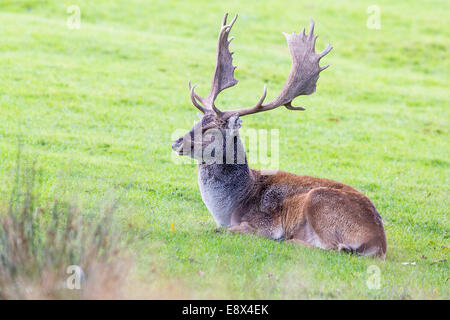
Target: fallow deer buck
309 211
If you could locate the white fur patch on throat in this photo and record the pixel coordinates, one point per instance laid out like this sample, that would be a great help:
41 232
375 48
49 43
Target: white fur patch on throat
217 203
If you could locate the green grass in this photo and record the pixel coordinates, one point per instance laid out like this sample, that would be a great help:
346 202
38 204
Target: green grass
97 108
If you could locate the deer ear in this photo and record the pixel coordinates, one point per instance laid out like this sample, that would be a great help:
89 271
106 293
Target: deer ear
234 122
200 116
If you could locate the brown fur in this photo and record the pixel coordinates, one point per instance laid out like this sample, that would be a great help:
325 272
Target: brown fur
312 211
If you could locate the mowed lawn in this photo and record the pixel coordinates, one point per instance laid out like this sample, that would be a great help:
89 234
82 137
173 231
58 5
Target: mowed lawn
97 108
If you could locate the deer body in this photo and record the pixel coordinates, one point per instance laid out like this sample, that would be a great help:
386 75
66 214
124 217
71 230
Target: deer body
309 211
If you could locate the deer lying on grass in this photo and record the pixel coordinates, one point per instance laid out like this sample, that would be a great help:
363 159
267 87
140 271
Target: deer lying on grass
309 211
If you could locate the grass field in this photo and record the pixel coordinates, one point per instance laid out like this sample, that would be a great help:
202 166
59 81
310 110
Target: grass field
96 107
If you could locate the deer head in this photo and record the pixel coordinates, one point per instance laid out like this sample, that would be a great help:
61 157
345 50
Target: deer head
220 127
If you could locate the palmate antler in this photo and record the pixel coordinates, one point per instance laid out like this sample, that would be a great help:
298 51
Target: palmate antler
302 79
223 74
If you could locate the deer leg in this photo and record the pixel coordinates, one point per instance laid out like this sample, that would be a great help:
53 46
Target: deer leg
335 217
244 228
299 242
343 248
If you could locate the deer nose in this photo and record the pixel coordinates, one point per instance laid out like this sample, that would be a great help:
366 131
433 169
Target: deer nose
177 144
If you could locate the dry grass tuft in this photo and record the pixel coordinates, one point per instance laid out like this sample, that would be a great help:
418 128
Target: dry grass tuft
56 251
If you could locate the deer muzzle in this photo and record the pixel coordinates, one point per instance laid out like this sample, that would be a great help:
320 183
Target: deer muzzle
177 146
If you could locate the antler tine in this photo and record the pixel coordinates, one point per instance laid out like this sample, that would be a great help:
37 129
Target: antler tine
197 97
261 100
258 107
324 52
291 107
311 29
302 78
194 99
224 20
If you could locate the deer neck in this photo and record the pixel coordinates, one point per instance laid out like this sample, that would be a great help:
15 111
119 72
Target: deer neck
224 187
